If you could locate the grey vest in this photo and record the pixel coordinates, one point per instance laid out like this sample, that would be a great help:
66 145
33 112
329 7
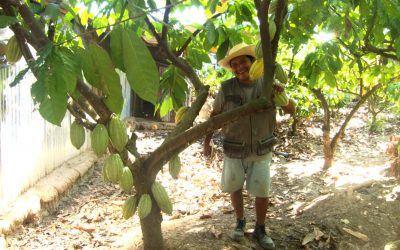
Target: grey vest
251 134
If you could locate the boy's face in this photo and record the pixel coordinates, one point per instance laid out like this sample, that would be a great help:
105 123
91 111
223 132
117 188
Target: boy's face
241 66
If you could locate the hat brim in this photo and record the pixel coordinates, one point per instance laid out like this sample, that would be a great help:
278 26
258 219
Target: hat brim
245 51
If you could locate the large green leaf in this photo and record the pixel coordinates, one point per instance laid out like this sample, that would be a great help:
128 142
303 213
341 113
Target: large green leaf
116 48
222 50
100 72
56 77
141 69
211 33
7 21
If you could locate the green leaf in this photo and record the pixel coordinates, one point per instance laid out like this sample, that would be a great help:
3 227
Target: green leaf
166 106
141 69
222 50
116 48
211 33
330 79
53 109
53 11
152 4
6 21
100 73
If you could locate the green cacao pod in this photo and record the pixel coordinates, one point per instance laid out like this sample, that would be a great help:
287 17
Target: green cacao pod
113 167
117 132
161 197
179 114
174 166
13 52
272 29
280 74
144 207
99 139
281 99
77 134
257 69
126 182
129 207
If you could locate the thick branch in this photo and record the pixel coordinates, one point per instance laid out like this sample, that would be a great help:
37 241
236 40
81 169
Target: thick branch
383 52
164 32
95 101
33 25
159 157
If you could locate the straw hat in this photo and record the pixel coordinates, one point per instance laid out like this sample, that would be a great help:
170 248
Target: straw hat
241 49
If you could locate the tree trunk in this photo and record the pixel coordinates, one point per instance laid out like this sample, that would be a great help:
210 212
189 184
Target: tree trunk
151 229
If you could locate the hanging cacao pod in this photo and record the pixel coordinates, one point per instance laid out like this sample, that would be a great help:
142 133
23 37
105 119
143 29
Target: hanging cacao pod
179 114
13 52
280 74
77 134
126 182
129 207
280 99
174 166
113 167
99 139
117 132
257 69
272 29
161 197
144 207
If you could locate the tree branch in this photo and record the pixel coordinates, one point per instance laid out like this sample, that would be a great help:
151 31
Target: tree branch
194 34
164 32
178 143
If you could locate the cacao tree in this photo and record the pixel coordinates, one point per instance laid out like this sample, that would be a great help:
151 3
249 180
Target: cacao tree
76 58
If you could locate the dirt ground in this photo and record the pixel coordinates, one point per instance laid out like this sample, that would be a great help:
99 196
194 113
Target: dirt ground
354 205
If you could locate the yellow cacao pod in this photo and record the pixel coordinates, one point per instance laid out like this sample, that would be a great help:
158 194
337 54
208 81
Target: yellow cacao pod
113 167
99 139
13 52
280 74
77 134
174 166
281 99
117 132
161 197
129 207
180 113
126 182
144 207
257 69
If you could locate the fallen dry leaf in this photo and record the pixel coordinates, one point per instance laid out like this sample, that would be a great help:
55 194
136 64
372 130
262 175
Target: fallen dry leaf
359 235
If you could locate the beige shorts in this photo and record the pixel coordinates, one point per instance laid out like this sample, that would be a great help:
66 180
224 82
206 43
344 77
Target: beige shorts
256 174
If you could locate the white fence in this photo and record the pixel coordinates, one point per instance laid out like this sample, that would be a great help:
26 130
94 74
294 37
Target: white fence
30 147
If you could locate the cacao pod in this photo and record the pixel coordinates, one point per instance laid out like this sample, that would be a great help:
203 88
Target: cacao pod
174 166
272 29
257 69
280 74
99 139
126 182
113 167
13 52
179 114
144 207
117 132
161 197
290 108
77 134
129 207
280 99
